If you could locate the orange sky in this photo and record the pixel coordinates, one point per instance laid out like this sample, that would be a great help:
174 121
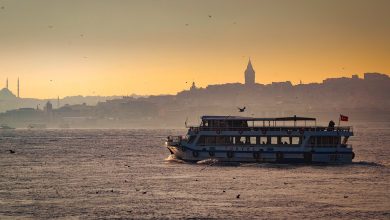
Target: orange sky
154 47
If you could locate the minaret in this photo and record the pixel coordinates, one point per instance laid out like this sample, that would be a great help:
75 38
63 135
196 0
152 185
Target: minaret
58 102
18 89
249 74
6 84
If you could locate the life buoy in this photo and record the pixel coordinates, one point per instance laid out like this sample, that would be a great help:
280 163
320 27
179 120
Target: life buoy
240 131
302 130
195 153
256 155
353 155
230 154
211 153
264 130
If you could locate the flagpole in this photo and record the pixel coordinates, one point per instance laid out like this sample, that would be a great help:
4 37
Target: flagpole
339 120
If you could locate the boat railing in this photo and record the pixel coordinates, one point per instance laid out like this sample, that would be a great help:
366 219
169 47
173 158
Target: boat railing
278 128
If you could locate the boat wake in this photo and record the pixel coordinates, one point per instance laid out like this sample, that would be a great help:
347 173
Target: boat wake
172 158
369 164
208 161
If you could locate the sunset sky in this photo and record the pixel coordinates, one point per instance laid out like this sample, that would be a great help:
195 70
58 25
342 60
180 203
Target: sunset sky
117 47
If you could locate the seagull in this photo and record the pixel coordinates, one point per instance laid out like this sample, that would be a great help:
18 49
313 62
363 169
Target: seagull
241 109
186 24
210 16
11 151
2 7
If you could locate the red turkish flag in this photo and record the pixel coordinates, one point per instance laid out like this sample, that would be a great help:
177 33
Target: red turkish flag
343 118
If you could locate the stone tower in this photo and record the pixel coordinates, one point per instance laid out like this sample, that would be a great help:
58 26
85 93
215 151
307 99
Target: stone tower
250 74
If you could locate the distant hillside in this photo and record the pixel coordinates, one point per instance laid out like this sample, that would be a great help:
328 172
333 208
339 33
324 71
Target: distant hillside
365 98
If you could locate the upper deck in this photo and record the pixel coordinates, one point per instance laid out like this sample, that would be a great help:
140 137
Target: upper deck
286 124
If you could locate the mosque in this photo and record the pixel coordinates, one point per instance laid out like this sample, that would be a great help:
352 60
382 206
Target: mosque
5 93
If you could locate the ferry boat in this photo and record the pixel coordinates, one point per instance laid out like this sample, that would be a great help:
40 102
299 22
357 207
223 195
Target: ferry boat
269 140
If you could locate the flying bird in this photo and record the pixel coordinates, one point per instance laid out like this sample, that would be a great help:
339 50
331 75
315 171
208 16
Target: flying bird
210 16
241 109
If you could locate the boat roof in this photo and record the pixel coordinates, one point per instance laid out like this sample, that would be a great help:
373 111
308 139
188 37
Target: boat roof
241 118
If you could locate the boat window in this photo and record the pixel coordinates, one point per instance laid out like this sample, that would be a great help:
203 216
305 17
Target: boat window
312 141
259 124
191 139
324 141
336 140
221 140
242 140
295 140
210 140
252 140
274 140
201 140
285 140
263 140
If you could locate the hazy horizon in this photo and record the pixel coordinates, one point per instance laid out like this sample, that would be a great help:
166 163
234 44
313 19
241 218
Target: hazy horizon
101 48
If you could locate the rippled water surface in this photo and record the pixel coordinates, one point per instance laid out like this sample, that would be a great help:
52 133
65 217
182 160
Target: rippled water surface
128 174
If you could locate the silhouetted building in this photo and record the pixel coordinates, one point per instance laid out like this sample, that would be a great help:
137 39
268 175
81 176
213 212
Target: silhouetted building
49 107
193 87
249 74
375 76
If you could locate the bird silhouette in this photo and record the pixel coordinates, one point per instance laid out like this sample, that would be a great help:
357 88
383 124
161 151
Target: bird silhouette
210 16
241 109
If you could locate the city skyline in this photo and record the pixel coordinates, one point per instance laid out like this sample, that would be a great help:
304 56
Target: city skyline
98 48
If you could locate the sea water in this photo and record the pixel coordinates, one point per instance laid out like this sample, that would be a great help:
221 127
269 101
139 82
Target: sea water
89 174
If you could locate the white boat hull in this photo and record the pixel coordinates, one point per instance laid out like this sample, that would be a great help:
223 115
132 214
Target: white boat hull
260 155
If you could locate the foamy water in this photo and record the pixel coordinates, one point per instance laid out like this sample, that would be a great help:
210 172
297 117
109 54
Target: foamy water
129 174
